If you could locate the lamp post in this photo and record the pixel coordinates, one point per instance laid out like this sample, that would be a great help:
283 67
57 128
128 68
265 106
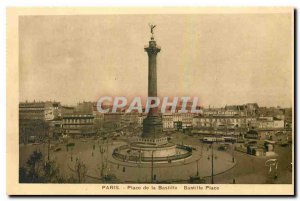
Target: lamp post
212 163
197 167
50 130
152 167
102 151
232 151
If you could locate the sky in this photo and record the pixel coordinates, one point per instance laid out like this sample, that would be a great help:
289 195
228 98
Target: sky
222 59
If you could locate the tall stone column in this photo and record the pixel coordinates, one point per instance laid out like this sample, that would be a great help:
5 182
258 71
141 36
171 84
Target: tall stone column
152 125
152 51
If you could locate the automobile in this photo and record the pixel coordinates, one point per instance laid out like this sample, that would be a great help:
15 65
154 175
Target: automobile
283 143
222 148
279 133
57 149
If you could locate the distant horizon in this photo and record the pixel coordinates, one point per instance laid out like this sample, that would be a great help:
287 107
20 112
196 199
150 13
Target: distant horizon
211 106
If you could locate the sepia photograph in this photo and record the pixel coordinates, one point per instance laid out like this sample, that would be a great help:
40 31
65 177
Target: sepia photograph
150 101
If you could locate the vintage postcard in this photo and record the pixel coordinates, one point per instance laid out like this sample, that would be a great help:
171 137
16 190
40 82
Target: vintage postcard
150 101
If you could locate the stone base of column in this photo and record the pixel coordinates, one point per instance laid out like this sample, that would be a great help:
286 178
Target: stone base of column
152 127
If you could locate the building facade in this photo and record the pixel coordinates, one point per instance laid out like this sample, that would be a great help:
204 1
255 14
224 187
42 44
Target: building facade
265 123
78 125
35 120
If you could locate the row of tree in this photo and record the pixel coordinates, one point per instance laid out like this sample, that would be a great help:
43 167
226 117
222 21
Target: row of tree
37 170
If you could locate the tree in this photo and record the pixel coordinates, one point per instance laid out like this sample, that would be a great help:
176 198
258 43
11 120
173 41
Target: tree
37 170
23 175
35 164
51 173
81 170
110 178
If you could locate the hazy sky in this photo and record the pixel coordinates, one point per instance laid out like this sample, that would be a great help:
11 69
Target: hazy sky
222 59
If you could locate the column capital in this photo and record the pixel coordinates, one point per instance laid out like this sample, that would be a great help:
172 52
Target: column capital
152 48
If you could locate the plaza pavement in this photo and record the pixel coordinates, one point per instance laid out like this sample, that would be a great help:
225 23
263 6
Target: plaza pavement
248 169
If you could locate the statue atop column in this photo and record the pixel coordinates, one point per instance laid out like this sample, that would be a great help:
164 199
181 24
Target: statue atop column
152 26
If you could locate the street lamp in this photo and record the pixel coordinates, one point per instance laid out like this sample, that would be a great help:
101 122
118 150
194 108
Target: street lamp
48 132
212 163
152 167
233 151
197 167
102 151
